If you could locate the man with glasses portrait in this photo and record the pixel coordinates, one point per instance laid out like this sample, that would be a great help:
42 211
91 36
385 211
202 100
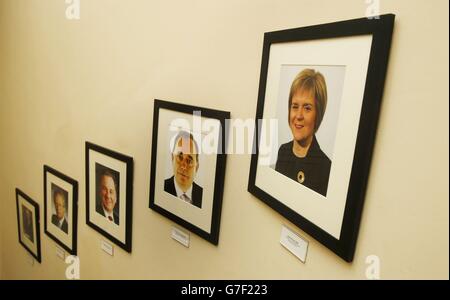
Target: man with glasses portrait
185 164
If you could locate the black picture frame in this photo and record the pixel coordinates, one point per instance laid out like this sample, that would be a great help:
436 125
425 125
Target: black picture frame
94 219
71 206
219 173
381 30
34 233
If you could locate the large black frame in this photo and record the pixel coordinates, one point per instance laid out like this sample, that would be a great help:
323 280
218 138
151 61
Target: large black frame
381 29
129 194
212 237
74 183
27 198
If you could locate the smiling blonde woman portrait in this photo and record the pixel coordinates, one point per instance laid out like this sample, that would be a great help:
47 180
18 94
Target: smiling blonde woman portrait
301 159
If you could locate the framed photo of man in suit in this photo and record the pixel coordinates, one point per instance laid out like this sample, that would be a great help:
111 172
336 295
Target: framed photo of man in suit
61 209
28 224
188 165
109 193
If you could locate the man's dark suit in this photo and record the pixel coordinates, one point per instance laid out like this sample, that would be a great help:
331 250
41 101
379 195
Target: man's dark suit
64 225
99 209
197 191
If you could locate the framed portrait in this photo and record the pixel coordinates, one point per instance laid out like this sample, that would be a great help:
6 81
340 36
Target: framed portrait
318 104
28 224
188 166
109 194
61 209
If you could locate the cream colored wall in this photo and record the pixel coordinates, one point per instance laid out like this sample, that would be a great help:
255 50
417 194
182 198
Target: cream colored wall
66 82
3 125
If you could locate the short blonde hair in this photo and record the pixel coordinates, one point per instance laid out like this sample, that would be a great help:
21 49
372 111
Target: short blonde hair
314 82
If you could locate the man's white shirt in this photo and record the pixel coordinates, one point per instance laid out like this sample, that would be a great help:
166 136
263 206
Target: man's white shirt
107 214
60 222
180 192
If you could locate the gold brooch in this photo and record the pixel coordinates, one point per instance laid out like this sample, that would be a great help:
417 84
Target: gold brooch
300 176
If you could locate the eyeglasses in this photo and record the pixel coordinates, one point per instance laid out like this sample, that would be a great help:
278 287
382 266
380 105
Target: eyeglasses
180 157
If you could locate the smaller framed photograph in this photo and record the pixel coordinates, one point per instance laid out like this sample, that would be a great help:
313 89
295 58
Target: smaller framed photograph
28 224
188 166
109 194
60 209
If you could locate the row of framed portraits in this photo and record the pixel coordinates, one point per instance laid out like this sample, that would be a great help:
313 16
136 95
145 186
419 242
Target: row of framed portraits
326 81
181 186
